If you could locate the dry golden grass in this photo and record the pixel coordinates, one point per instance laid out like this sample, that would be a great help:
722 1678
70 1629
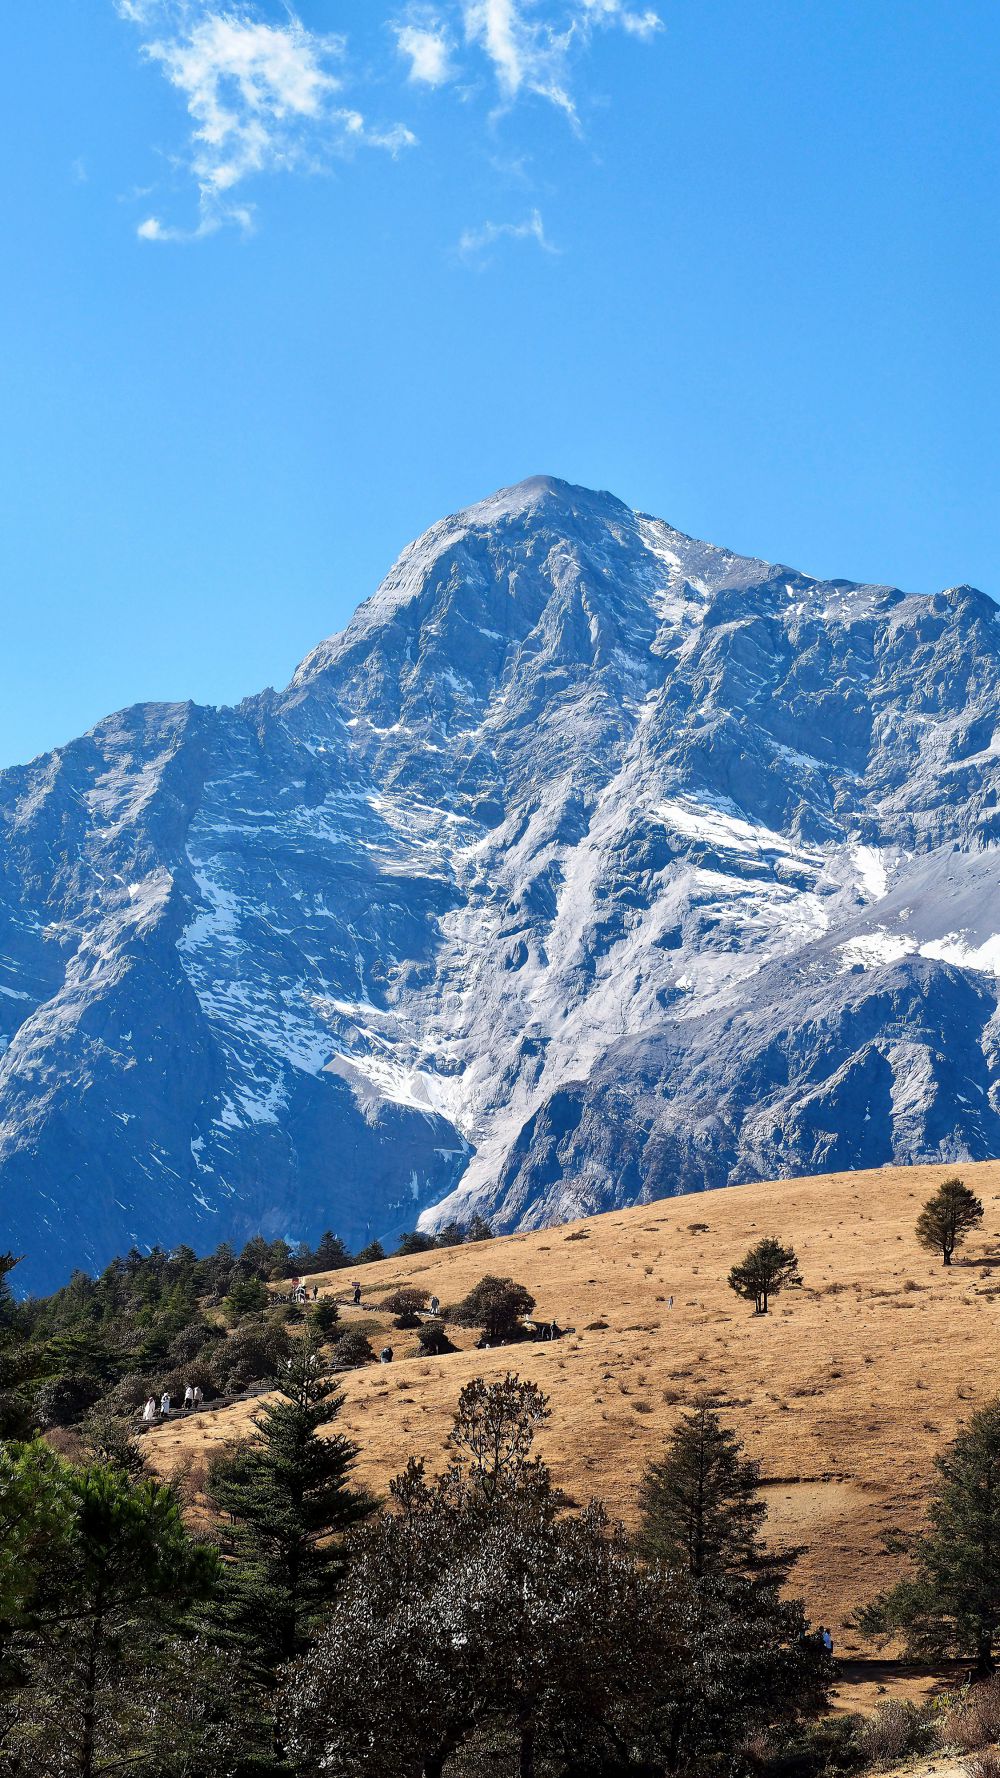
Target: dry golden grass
843 1392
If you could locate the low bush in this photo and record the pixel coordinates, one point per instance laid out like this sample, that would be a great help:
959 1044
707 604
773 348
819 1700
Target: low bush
974 1718
404 1301
985 1764
128 1396
353 1348
820 1750
197 1375
895 1730
249 1355
192 1340
407 1319
62 1400
433 1340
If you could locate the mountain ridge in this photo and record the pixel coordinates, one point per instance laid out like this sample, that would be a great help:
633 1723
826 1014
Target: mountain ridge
568 781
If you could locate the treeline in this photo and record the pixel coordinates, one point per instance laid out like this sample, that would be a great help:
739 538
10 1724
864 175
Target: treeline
151 1323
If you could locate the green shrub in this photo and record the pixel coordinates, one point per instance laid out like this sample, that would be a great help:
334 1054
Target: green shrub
353 1348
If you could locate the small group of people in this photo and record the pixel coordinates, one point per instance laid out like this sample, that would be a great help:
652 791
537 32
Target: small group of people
194 1395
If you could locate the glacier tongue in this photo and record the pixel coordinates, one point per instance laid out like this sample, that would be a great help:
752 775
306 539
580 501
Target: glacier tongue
589 863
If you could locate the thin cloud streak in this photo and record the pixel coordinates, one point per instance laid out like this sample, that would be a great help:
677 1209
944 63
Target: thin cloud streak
474 241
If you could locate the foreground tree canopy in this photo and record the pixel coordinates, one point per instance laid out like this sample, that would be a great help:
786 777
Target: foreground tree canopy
478 1599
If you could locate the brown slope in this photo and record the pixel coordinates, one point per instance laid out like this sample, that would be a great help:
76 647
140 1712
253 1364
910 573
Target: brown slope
843 1392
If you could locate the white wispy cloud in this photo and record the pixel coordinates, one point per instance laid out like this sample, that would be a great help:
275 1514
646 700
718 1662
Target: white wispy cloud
426 40
261 97
525 53
529 46
613 12
476 240
264 93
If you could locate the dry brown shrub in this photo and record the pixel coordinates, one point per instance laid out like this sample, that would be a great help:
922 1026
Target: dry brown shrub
894 1730
985 1764
974 1721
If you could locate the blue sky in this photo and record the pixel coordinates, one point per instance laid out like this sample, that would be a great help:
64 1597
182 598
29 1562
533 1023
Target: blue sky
280 287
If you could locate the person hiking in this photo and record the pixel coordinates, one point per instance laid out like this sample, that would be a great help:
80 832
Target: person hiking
165 1402
315 1292
357 1290
826 1639
385 1356
670 1302
149 1411
188 1398
434 1305
199 1395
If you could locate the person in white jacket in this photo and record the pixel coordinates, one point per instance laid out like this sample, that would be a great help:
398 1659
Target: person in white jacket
149 1411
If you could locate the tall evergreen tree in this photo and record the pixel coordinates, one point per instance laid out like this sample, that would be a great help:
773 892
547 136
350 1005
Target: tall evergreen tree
701 1509
330 1254
951 1604
109 1594
287 1493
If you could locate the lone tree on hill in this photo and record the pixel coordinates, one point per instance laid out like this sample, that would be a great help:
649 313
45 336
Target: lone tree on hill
946 1219
951 1606
767 1269
494 1304
701 1511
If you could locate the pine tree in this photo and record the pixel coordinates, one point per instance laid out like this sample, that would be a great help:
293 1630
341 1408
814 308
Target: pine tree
478 1229
287 1493
367 1256
20 1364
946 1219
330 1254
951 1605
701 1509
764 1271
108 1595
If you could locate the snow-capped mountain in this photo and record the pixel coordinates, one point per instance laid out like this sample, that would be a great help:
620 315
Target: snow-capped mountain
589 863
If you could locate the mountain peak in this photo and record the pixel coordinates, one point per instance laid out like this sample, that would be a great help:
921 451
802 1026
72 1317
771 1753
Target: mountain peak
589 863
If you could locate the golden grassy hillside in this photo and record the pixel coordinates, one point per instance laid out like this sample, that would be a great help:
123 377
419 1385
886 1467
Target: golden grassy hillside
843 1391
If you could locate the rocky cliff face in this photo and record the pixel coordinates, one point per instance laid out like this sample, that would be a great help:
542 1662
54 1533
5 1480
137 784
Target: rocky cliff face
589 863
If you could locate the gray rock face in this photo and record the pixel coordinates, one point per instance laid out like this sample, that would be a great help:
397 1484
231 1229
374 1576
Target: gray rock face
590 863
